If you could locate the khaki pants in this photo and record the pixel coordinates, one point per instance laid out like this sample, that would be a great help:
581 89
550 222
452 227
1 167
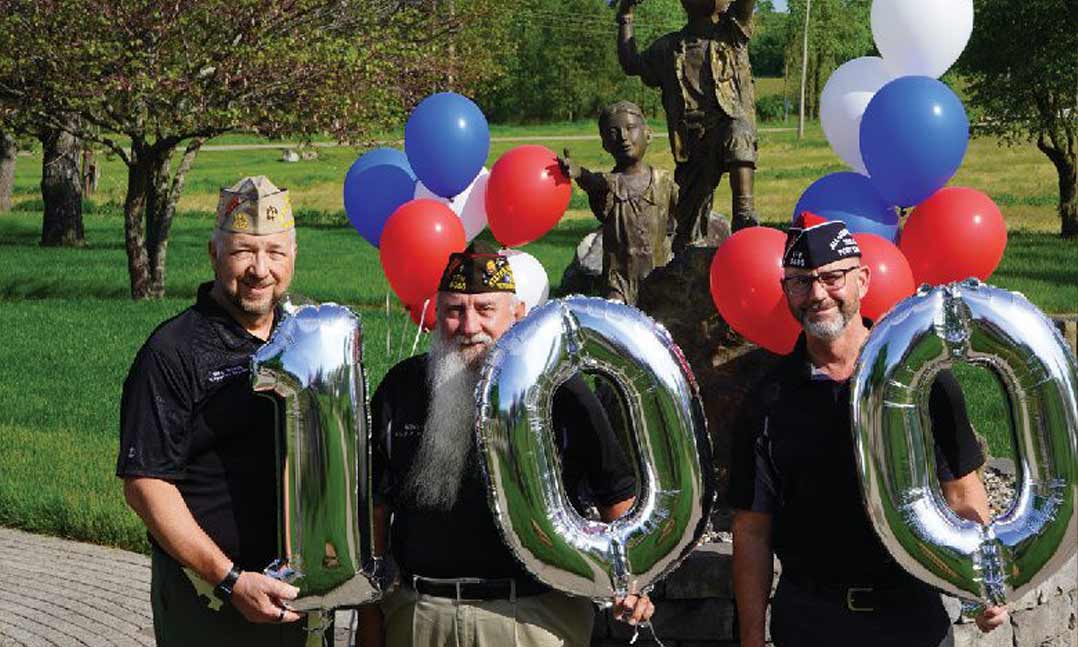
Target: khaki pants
550 619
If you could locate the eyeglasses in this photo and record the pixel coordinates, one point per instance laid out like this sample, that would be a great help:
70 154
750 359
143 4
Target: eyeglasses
797 286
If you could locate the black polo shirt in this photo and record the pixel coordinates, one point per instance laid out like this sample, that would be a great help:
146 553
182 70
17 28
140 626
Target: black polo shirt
189 416
465 541
794 458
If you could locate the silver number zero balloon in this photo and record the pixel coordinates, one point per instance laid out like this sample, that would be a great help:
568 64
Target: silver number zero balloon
560 547
1003 332
313 365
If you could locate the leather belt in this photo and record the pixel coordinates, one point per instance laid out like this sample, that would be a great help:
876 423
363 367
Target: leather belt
465 588
861 599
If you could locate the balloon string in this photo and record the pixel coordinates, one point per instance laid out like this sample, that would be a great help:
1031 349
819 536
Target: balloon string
651 628
389 334
419 328
403 336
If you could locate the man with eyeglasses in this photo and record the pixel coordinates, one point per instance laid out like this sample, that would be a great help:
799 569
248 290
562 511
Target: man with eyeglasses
794 486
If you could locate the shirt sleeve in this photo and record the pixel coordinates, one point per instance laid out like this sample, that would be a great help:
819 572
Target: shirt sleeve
753 482
381 419
740 16
155 415
958 452
651 62
590 445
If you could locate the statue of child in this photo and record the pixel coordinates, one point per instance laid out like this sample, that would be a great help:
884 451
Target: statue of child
635 202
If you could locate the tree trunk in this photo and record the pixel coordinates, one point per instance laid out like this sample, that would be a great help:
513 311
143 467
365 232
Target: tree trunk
8 149
90 172
61 190
1064 159
1068 201
150 204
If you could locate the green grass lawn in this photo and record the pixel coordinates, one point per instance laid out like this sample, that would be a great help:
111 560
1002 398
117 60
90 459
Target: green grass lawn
70 330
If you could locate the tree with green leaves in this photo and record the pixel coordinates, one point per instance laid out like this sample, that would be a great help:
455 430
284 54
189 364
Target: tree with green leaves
839 30
152 81
1021 65
560 59
767 49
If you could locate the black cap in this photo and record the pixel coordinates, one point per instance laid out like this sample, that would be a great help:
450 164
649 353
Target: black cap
478 269
819 245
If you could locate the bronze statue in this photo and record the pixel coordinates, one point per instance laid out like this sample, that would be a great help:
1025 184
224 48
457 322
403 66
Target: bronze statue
707 91
635 202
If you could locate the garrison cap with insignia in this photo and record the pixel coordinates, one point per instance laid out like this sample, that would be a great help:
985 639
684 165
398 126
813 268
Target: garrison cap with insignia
476 270
254 206
811 247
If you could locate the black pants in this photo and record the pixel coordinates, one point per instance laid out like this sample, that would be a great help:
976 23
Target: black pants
181 618
913 617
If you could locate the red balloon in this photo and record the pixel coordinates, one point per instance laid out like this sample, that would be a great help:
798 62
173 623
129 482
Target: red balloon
429 319
891 279
953 235
745 284
415 247
527 194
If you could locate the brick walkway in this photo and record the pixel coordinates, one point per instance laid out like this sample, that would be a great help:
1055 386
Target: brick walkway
59 592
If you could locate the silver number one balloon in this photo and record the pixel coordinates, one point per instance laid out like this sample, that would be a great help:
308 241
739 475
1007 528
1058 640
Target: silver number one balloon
313 365
1003 332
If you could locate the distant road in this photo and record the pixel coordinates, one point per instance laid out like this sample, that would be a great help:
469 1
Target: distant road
521 138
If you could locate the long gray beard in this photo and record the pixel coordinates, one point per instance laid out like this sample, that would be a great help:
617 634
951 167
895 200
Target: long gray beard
446 447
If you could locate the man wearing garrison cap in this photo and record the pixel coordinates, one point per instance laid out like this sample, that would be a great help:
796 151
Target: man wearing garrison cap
794 487
460 584
197 446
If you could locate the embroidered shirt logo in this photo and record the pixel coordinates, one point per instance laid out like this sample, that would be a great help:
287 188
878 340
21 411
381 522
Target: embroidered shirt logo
224 373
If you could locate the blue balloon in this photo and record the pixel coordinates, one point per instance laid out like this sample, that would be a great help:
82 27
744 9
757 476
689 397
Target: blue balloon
914 134
384 155
377 184
859 225
848 193
447 140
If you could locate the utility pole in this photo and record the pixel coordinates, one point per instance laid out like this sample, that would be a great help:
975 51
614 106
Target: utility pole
804 72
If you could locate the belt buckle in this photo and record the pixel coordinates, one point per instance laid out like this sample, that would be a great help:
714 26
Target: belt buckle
461 581
851 604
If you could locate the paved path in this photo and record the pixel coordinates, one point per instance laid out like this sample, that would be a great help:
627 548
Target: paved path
398 142
69 594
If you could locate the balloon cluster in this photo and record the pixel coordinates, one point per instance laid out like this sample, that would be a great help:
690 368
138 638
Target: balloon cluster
904 134
422 204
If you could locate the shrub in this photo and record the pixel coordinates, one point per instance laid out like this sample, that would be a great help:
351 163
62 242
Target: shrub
770 108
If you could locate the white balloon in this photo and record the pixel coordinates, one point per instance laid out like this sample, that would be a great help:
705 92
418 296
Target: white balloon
470 205
843 103
921 37
533 286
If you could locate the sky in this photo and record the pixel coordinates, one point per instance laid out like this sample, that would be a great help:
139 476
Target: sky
780 5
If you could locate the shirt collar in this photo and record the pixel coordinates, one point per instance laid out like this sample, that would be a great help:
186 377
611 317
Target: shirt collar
804 369
622 194
232 334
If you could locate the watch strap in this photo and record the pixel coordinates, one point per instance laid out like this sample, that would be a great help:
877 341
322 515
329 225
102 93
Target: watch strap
225 586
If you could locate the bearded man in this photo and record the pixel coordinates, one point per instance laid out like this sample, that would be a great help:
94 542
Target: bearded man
794 484
460 584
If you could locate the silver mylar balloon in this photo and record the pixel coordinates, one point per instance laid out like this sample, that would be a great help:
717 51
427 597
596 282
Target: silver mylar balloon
1005 333
313 364
538 522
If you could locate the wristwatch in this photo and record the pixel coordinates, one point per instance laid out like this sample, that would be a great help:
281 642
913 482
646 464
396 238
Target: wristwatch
224 588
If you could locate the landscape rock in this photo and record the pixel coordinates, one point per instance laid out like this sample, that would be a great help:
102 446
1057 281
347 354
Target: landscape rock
584 275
